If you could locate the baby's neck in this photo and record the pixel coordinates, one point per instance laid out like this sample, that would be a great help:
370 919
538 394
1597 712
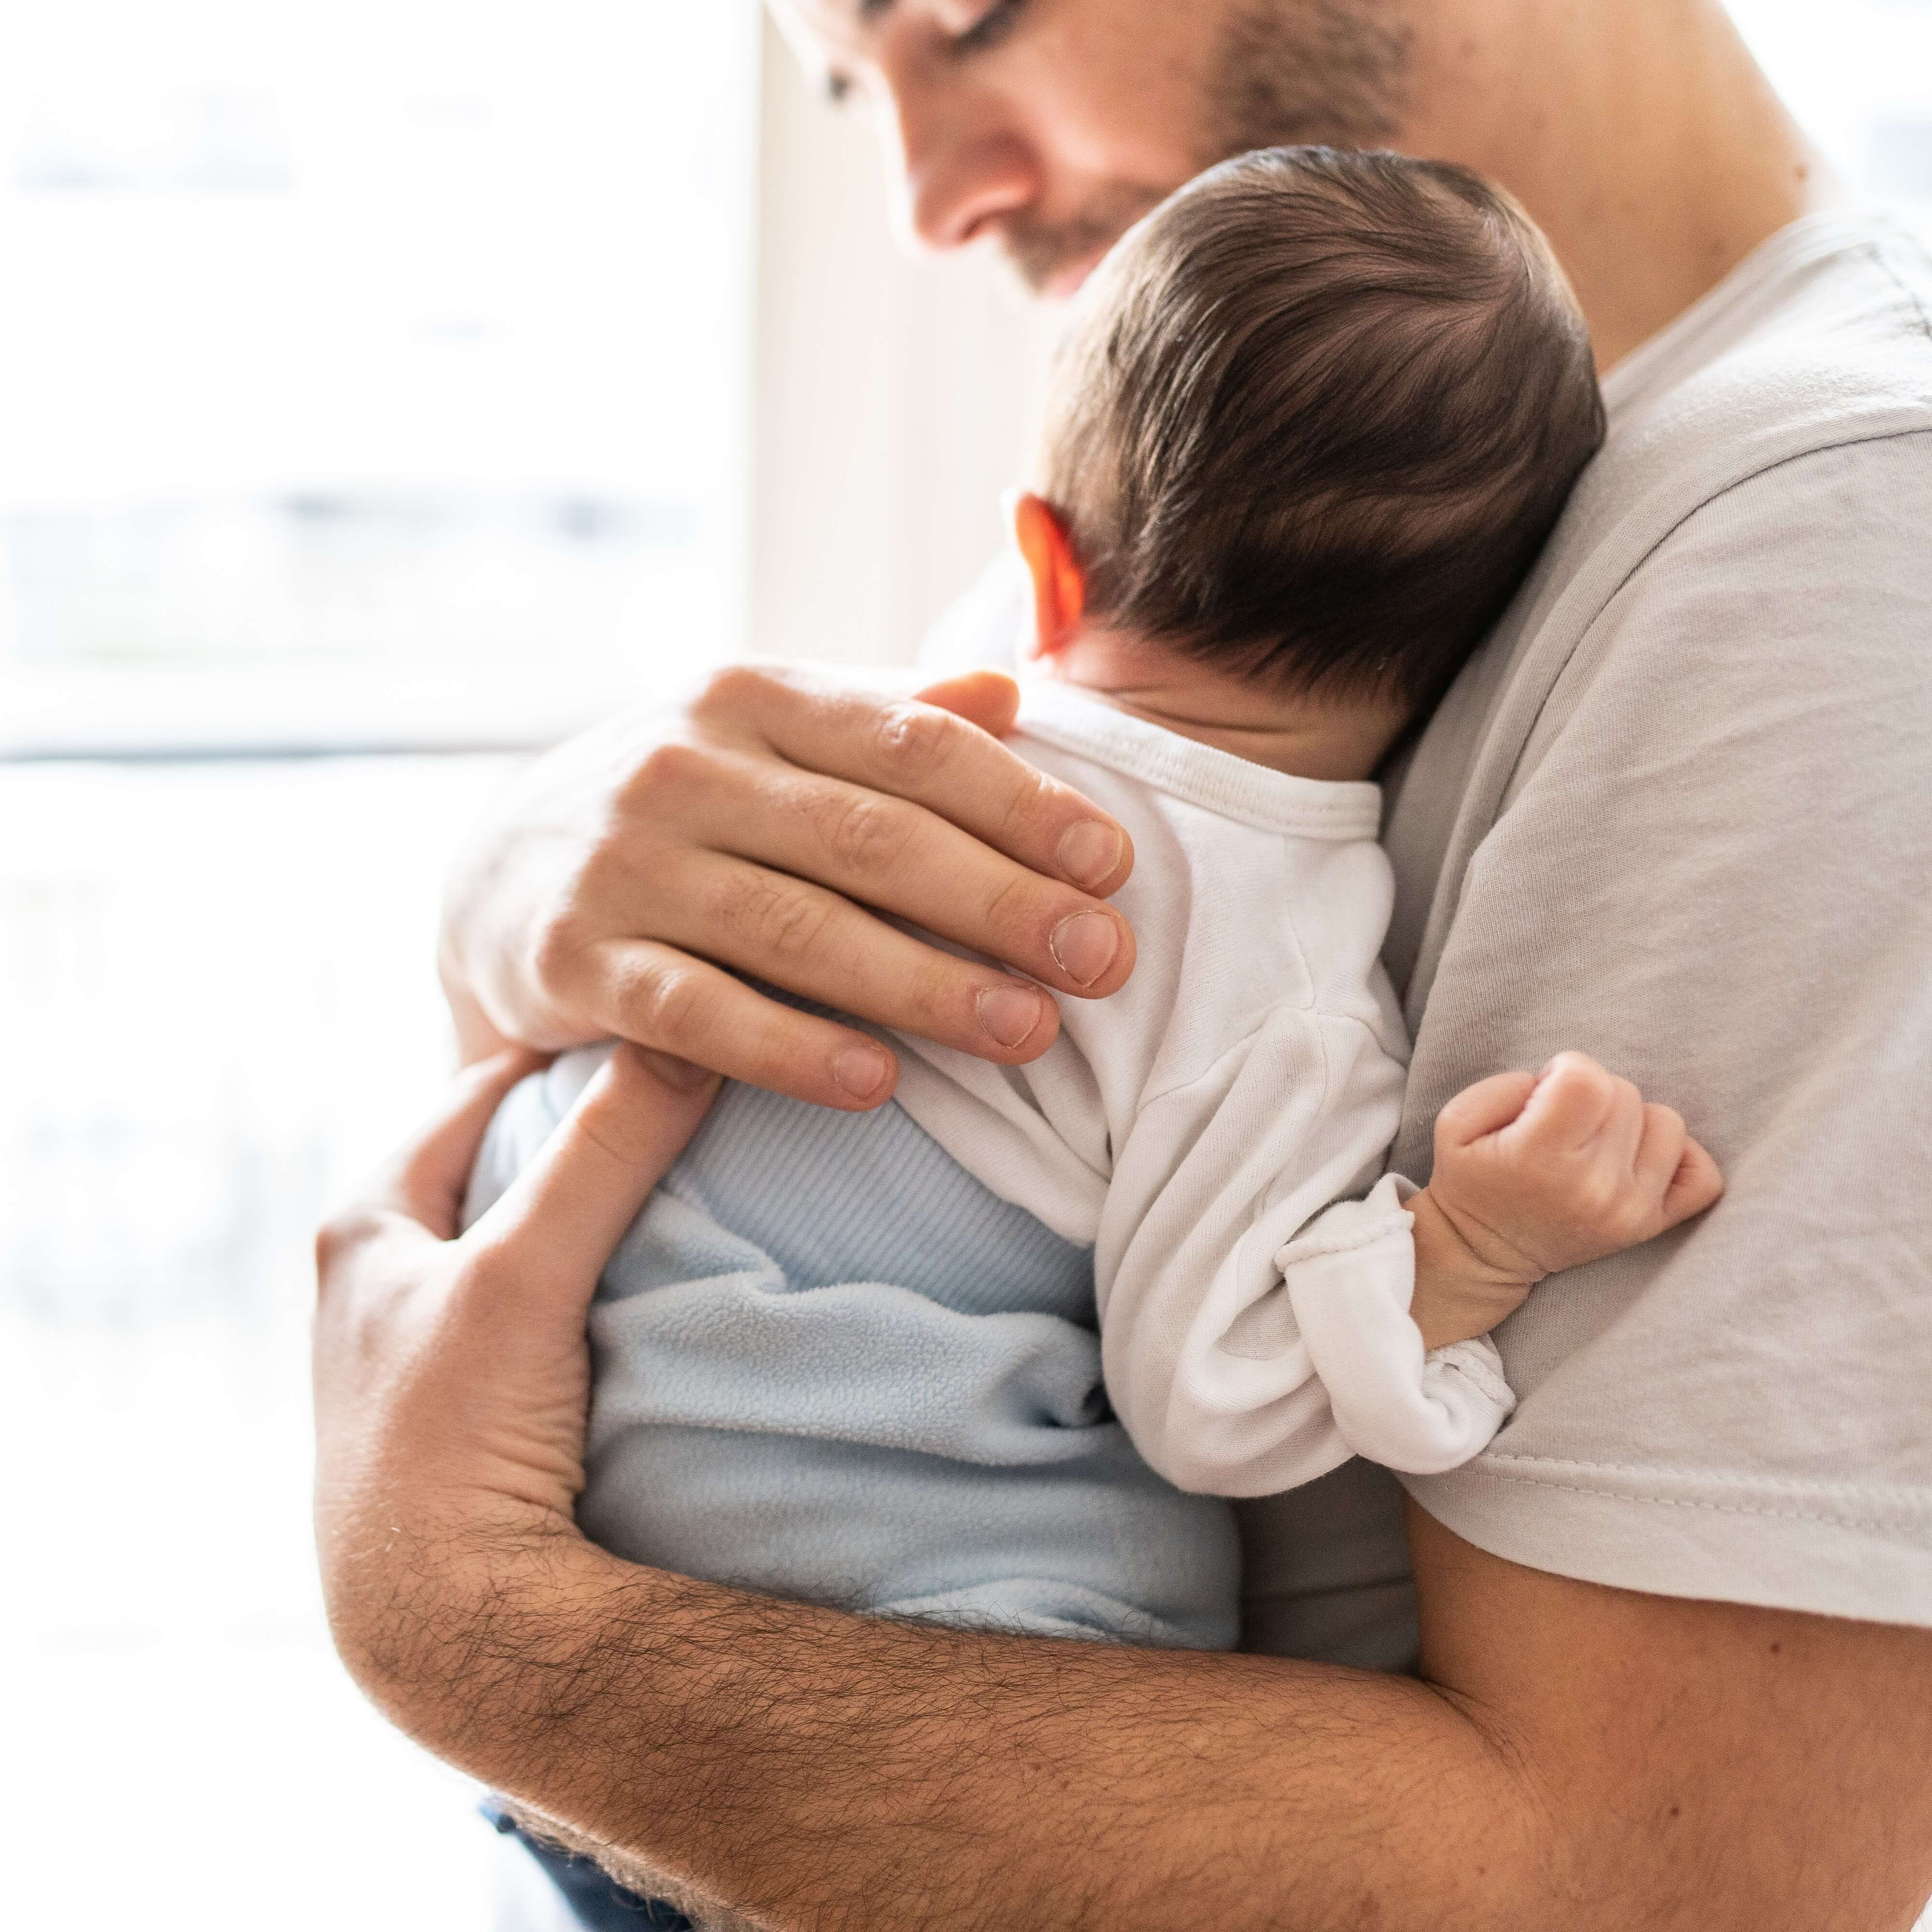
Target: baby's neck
1331 738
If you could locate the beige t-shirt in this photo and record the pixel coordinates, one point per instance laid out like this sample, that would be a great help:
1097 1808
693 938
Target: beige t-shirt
1678 812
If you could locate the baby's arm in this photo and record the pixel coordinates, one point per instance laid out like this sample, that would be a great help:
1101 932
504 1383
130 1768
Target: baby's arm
1258 1323
1536 1172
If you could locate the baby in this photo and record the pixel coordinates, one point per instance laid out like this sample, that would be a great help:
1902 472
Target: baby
990 1353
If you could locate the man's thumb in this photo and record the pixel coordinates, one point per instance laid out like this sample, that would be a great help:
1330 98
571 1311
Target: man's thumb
561 1217
989 699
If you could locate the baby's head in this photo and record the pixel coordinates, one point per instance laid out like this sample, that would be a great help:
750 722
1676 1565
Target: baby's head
1314 417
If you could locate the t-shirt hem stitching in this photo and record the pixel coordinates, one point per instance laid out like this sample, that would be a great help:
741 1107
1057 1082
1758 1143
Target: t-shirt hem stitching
1709 1505
1795 1484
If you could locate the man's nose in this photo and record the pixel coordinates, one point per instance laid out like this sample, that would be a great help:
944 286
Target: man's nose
961 168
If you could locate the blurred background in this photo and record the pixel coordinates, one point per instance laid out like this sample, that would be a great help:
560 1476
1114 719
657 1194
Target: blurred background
387 388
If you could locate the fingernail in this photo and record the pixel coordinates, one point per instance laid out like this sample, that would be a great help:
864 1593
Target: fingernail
674 1072
1085 945
861 1071
1089 852
1010 1013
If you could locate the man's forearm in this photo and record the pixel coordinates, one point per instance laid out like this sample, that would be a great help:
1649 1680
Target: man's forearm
811 1769
1587 1758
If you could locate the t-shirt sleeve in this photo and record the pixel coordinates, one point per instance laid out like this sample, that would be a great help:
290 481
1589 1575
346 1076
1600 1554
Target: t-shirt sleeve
1713 869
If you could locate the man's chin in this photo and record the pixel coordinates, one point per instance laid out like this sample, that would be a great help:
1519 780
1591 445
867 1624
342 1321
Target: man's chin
1057 278
1064 283
1055 258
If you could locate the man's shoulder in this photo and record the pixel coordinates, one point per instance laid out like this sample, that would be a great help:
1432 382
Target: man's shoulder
1772 500
1773 437
1763 497
1840 360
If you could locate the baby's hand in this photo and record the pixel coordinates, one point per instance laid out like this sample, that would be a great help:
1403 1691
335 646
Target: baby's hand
1548 1171
1539 1172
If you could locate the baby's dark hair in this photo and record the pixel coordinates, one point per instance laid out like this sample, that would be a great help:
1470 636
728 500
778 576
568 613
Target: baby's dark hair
1316 416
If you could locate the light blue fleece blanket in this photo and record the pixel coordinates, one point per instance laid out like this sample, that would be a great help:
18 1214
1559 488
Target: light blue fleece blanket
829 1363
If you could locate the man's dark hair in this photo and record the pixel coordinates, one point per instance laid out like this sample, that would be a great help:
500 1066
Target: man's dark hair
1318 415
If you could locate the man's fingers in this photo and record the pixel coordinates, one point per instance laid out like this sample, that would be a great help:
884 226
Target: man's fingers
784 930
665 999
1696 1185
560 1219
824 949
827 835
931 756
426 1179
1483 1109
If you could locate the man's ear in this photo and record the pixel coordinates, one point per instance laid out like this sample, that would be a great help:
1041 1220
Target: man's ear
1059 585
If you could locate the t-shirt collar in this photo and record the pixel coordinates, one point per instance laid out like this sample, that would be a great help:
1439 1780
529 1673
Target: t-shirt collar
1719 318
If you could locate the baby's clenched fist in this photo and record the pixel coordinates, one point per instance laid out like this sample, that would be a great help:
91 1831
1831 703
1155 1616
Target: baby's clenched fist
1537 1172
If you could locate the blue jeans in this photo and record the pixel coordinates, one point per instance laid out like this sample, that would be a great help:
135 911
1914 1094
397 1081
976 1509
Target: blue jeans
598 1901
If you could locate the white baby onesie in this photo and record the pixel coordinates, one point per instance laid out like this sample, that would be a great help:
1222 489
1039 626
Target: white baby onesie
1216 1129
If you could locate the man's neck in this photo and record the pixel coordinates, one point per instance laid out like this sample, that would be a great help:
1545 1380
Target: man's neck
1640 134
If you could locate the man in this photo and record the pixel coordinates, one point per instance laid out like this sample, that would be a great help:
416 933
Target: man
1675 1664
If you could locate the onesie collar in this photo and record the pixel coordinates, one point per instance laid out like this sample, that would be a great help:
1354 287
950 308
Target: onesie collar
1200 775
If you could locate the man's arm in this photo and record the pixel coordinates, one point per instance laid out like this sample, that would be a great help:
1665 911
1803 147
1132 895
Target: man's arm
1573 1755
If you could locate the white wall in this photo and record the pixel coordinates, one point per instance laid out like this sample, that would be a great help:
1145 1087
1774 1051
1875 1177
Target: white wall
894 397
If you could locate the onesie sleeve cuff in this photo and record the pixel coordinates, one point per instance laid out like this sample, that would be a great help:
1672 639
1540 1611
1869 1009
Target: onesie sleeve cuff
1350 1275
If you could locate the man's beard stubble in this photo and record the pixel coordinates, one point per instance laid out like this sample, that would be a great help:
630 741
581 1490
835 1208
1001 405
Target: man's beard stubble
1332 74
1283 72
1038 250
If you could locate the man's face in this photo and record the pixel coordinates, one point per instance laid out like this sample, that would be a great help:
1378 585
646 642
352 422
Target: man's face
1047 127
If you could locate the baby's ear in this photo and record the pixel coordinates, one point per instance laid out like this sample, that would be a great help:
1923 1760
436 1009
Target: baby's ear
1059 585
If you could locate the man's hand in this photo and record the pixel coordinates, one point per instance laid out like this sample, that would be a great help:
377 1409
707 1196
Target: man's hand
452 1374
623 885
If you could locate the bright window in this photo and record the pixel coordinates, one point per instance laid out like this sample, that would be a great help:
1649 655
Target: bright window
371 372
373 376
1859 74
